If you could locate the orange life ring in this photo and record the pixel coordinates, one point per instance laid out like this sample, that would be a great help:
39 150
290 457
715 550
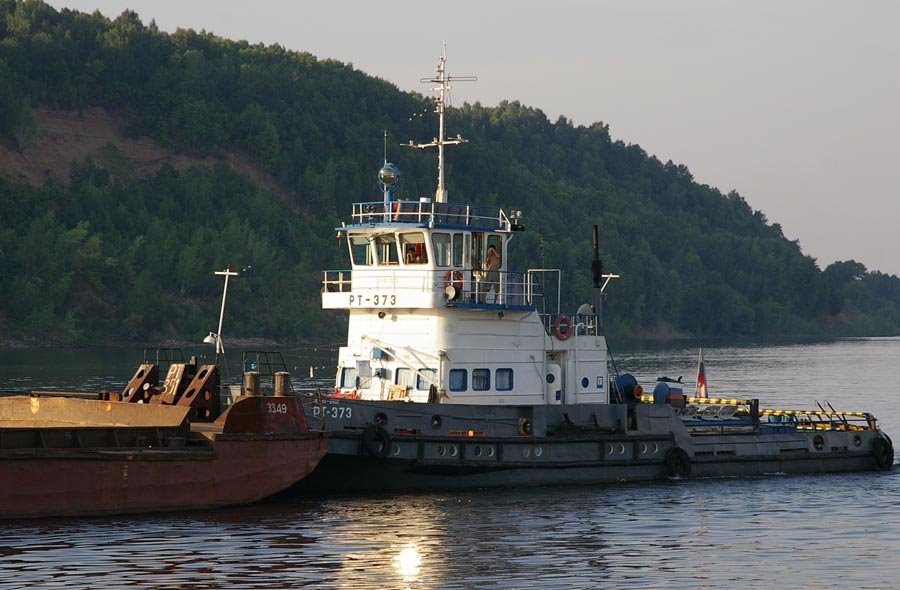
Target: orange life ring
638 392
562 327
455 278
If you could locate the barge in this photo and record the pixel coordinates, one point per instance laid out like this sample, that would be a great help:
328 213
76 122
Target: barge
151 447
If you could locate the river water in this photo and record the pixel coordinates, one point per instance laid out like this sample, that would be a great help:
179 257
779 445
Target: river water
832 531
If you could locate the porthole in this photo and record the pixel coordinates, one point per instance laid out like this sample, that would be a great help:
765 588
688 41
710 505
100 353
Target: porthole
551 377
454 451
395 449
857 440
526 452
643 448
477 451
621 449
441 450
538 451
585 383
490 452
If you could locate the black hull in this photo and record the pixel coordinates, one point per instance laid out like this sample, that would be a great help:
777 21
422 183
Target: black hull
379 446
347 474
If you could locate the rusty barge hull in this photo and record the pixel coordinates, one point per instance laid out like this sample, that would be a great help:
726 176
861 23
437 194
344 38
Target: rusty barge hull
133 458
116 482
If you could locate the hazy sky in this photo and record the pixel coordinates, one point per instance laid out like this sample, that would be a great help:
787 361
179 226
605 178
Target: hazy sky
794 104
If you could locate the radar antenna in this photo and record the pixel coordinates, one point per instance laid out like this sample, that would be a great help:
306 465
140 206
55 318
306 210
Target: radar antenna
443 82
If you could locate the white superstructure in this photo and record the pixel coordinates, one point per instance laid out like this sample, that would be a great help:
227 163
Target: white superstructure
437 315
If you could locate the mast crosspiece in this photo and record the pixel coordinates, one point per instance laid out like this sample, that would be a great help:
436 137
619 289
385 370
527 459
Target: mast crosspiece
443 88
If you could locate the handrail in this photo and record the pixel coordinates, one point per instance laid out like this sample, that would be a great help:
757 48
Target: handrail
510 288
429 213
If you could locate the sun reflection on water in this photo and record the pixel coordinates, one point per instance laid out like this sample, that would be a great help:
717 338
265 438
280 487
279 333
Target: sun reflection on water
407 563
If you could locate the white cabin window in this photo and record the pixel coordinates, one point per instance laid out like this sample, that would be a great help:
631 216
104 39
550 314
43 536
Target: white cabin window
406 376
349 378
481 379
360 252
440 243
458 380
386 246
413 247
503 379
425 379
459 250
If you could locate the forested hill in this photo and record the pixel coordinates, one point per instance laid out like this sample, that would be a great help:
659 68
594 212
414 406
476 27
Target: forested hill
196 152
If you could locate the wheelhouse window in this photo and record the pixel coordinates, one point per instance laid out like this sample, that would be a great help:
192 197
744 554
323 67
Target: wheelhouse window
413 247
503 379
481 379
360 252
386 246
477 250
458 380
459 250
425 379
440 243
349 378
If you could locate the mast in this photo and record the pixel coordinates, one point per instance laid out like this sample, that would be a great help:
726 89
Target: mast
216 337
443 88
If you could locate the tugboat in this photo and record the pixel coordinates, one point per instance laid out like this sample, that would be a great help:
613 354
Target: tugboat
455 374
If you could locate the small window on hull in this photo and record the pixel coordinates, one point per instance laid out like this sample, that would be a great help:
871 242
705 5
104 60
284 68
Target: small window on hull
458 380
504 380
481 379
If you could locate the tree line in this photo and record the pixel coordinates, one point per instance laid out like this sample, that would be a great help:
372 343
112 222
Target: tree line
109 256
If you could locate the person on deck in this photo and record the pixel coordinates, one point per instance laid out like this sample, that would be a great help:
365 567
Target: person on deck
492 266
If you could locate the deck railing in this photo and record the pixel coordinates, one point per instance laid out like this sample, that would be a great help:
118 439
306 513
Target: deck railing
431 214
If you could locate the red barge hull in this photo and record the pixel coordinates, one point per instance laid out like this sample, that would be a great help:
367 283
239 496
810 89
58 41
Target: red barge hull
71 457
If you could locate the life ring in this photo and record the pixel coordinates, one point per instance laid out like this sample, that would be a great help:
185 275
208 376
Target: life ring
678 463
455 278
562 327
525 427
376 441
883 451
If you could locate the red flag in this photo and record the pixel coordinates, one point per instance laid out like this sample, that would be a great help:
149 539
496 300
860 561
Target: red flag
701 377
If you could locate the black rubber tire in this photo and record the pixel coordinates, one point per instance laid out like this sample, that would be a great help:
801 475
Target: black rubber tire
376 441
678 463
883 452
